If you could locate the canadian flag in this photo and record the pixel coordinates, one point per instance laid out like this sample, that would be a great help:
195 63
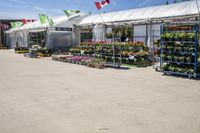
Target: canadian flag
101 4
24 21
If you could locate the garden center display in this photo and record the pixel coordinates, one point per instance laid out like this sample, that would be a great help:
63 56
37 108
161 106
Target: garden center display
135 53
180 51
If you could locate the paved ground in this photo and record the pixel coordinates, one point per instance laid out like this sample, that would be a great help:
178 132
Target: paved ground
44 96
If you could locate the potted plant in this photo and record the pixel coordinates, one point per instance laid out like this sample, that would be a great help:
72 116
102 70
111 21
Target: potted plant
166 67
176 69
181 36
181 70
109 35
164 48
190 71
176 58
182 59
173 69
188 59
185 49
191 50
169 57
191 36
170 48
163 56
177 49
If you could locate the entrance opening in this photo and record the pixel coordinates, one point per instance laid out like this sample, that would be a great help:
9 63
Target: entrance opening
37 38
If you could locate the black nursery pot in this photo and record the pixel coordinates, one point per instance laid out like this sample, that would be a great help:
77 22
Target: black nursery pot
173 39
166 39
177 39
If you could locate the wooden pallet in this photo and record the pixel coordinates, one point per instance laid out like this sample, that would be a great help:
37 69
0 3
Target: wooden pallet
43 55
21 52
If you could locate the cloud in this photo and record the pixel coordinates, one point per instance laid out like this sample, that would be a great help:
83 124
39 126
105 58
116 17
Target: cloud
19 1
39 8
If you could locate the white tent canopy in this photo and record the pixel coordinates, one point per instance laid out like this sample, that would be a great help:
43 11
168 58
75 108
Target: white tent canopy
57 21
163 11
59 35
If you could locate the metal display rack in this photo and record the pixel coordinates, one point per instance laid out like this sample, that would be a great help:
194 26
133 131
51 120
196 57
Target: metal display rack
115 55
113 58
156 50
182 58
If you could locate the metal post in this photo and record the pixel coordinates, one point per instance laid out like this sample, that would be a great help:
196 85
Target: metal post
161 45
195 60
198 10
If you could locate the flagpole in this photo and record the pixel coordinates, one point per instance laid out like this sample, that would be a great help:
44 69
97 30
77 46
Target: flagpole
101 17
102 21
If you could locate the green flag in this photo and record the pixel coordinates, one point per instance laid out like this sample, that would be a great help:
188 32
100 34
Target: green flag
71 12
43 18
50 20
12 25
19 24
16 24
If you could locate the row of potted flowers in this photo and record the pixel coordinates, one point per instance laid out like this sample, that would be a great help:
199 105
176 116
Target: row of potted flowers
178 49
82 60
176 58
178 36
109 44
179 28
178 69
123 53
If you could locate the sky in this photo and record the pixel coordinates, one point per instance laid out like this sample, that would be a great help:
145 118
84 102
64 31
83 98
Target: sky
29 9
